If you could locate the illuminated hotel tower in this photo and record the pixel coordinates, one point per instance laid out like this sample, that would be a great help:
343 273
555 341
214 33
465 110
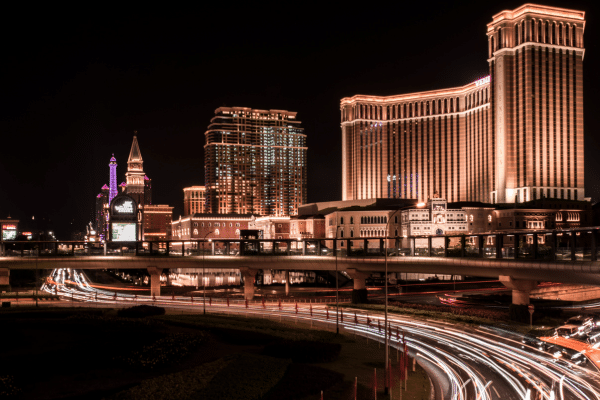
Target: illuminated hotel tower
113 178
513 136
255 162
535 57
135 173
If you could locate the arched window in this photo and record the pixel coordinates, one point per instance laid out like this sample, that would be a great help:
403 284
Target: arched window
341 220
574 36
351 233
351 220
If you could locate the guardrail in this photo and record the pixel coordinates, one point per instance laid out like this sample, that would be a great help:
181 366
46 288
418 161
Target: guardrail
557 245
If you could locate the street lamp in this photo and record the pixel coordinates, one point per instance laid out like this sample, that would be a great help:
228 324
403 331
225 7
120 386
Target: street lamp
337 298
203 279
385 324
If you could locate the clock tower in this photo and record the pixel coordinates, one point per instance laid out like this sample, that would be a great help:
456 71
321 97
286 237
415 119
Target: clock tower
135 172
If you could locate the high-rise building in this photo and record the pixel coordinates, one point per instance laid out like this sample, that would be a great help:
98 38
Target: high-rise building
513 136
147 190
255 162
194 199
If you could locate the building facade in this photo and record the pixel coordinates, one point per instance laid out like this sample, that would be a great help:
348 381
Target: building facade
157 222
211 226
194 199
513 136
255 162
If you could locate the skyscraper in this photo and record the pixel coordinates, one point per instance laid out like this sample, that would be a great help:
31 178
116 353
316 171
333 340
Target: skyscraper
513 136
255 162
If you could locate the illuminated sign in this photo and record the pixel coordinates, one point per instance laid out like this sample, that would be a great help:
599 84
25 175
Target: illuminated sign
9 227
123 232
482 81
9 235
126 207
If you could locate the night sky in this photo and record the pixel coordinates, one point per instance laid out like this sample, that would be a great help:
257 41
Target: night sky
77 83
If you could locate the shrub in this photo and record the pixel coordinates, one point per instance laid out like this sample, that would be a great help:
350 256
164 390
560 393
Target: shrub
304 351
359 296
141 311
519 313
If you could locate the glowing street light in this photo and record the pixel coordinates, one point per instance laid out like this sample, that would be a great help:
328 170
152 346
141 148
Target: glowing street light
203 269
386 334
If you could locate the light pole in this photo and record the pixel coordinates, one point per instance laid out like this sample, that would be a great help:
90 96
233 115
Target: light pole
337 298
204 280
385 324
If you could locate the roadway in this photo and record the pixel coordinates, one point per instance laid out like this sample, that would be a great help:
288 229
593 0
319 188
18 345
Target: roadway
578 272
463 362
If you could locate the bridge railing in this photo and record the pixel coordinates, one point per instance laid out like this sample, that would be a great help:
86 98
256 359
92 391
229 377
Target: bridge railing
555 245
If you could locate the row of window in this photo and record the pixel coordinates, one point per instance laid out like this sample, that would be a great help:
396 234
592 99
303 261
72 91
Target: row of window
550 32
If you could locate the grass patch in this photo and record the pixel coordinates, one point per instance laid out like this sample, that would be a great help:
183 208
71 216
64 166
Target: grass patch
162 352
256 331
141 311
247 377
185 385
444 316
303 351
301 380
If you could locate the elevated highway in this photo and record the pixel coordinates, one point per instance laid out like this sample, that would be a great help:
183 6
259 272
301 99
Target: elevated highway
517 259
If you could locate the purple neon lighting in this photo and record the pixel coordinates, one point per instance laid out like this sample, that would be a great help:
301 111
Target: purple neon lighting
113 179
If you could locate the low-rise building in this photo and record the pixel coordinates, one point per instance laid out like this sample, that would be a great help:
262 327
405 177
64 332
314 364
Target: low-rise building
194 199
157 222
215 226
307 226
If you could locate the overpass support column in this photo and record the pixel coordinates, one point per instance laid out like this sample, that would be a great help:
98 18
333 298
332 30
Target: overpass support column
359 294
4 277
520 288
154 280
287 283
248 274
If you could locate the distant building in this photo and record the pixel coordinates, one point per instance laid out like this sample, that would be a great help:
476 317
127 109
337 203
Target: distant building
433 219
272 227
216 226
157 222
255 162
307 226
9 229
147 190
194 199
544 214
135 177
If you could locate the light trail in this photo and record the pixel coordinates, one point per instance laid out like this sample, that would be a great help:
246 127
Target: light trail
471 361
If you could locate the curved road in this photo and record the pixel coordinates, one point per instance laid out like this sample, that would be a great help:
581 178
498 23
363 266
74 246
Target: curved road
464 363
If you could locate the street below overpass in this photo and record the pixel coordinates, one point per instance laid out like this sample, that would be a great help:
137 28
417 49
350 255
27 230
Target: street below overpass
463 362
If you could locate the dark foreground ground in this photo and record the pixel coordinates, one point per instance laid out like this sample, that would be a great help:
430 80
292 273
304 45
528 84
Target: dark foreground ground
95 354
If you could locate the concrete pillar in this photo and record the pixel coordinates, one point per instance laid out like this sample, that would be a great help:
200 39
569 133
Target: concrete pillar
4 277
358 277
287 283
359 294
520 288
249 275
154 280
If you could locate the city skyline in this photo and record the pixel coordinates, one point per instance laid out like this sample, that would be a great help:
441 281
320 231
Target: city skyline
80 90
